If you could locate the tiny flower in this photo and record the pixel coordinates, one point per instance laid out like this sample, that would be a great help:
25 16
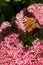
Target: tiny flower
5 25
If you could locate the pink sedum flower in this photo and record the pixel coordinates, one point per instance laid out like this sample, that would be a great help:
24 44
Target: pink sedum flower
38 46
34 10
5 25
5 28
20 26
37 10
19 16
10 49
12 52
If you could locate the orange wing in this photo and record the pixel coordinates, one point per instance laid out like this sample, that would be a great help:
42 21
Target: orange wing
30 24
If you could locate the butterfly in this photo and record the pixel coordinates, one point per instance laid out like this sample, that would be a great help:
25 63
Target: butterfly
31 25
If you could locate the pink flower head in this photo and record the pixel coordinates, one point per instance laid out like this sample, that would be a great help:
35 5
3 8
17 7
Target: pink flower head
38 46
37 10
10 49
5 25
4 28
34 10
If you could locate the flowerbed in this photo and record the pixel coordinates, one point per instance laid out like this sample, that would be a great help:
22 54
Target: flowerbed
12 51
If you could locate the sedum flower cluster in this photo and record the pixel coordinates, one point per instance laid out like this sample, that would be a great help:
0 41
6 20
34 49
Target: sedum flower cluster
34 10
12 51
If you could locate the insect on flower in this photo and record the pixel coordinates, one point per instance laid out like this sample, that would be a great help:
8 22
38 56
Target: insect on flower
30 24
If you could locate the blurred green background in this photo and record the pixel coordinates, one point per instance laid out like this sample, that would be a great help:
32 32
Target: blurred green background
9 8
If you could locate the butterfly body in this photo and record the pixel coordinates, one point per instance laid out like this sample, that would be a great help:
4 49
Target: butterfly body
30 24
